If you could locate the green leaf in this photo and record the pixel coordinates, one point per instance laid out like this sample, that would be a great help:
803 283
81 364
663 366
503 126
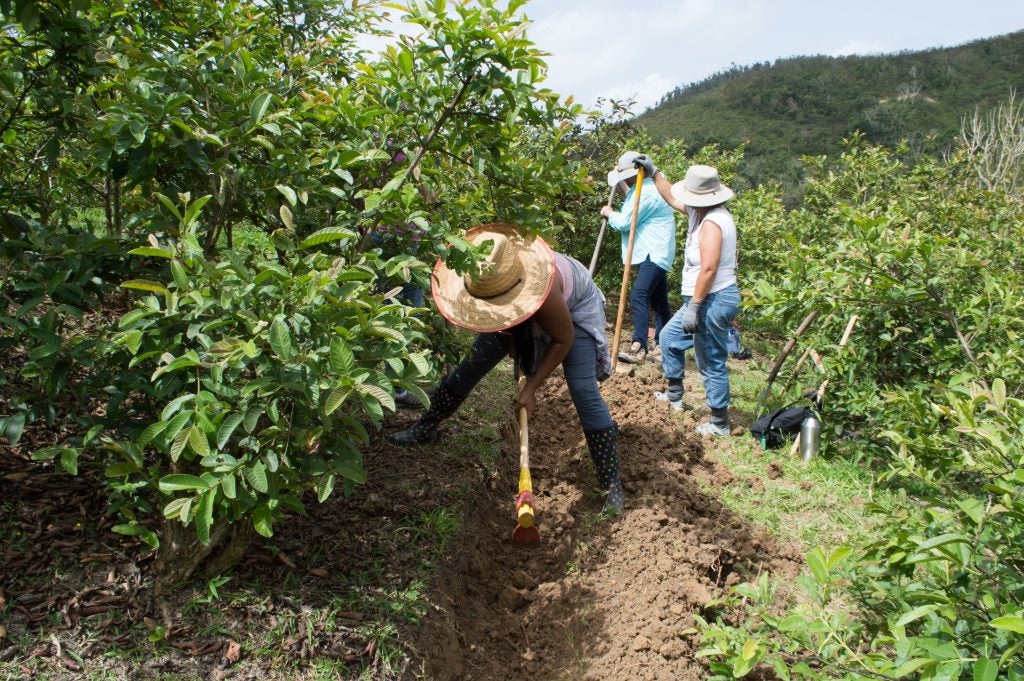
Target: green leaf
179 275
280 338
14 427
151 251
421 363
288 193
133 340
327 235
178 444
145 285
169 205
286 216
816 561
335 398
175 506
342 359
69 460
227 428
180 420
916 613
999 393
263 521
911 666
227 483
131 530
252 417
973 508
181 481
197 440
256 474
204 517
837 557
325 487
941 540
378 393
986 669
741 666
259 106
352 471
119 470
47 453
1009 623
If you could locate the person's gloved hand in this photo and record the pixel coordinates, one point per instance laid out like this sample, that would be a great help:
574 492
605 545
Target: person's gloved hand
643 162
689 320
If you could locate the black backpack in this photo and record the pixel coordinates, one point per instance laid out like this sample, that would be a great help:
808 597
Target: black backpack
778 427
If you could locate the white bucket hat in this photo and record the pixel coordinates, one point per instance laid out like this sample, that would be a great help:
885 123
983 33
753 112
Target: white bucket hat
623 169
701 187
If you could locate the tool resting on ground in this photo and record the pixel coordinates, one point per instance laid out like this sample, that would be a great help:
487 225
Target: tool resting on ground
526 531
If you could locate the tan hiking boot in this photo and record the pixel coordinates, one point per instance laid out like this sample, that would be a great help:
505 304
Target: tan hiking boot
636 354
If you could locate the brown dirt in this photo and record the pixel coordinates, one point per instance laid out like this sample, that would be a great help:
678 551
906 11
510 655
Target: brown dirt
598 599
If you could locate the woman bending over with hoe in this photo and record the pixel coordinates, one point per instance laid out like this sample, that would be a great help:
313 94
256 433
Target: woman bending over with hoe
710 293
544 309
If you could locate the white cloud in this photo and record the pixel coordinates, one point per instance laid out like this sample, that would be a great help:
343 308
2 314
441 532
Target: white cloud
608 48
862 47
611 49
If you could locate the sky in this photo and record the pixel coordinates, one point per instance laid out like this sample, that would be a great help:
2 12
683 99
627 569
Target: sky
645 48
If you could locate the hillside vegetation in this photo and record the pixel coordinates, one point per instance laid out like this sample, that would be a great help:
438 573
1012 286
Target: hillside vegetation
808 105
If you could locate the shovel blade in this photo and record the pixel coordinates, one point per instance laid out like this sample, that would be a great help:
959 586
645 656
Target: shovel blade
525 536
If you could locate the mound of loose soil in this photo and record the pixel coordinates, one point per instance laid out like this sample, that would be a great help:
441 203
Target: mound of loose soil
599 599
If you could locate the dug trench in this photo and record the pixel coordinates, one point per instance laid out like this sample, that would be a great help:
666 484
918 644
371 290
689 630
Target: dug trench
425 543
599 598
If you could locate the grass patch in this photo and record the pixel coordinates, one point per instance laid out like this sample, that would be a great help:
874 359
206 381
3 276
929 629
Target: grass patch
820 503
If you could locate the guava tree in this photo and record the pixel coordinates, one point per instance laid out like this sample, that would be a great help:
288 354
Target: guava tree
244 156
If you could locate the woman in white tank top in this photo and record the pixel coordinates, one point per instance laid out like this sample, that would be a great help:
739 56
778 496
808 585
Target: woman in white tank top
710 290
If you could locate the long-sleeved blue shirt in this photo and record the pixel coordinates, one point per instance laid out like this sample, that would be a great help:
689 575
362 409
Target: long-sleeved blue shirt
655 227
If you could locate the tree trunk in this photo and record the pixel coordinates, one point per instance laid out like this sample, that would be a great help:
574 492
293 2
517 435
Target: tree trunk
181 556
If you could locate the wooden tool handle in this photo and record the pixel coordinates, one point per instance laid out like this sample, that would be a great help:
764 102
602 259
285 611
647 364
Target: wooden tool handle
625 271
524 443
600 235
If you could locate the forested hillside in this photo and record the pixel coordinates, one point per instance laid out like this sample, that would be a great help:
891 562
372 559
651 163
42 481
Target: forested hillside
807 105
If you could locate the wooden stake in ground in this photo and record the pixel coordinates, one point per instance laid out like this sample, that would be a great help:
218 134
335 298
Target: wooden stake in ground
819 395
778 362
625 270
600 234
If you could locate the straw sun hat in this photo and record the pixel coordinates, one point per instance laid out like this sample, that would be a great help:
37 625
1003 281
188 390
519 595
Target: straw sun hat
701 187
508 286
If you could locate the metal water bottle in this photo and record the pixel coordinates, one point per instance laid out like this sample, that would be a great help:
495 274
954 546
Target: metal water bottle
810 436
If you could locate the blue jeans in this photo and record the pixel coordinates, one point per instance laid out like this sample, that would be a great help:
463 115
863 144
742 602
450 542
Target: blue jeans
710 343
580 367
412 294
650 289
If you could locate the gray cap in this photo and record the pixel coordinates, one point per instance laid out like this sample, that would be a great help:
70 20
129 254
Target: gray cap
623 169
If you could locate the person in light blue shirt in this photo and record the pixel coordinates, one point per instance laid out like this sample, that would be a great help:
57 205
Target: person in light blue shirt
654 249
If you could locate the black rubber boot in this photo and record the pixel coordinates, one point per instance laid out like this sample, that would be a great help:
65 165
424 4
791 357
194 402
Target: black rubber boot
604 451
443 404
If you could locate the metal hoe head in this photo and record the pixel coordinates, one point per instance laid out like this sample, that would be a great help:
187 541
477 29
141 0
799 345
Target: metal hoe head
525 536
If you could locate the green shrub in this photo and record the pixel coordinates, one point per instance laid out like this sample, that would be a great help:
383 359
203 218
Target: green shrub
929 392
